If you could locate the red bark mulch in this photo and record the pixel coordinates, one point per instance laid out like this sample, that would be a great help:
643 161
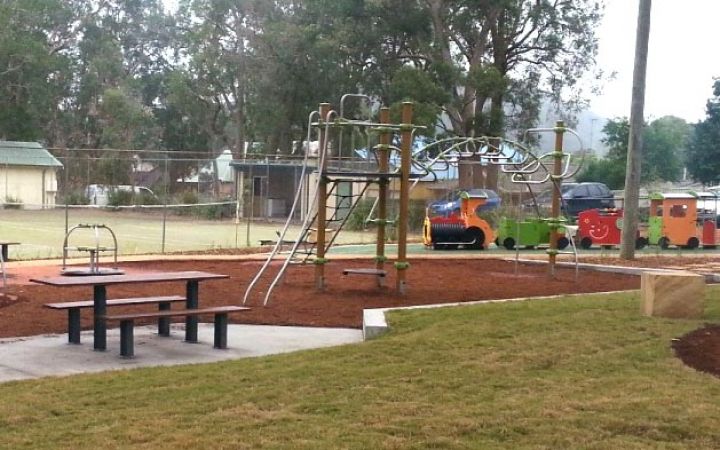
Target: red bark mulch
295 301
700 349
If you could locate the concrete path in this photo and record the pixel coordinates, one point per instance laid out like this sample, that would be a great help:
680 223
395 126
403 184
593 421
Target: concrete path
51 355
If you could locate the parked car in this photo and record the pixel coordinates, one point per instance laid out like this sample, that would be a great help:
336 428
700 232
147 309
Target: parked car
577 197
451 204
99 194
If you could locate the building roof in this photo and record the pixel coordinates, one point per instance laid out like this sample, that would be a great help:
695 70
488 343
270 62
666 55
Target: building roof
671 195
26 154
266 162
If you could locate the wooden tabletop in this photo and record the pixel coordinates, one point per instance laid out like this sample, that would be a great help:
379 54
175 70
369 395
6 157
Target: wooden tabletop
149 277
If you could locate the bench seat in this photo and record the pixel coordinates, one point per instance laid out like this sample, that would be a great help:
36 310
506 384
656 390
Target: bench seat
266 242
127 324
74 308
117 302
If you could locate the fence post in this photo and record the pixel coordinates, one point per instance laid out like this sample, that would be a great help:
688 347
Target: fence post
66 175
165 203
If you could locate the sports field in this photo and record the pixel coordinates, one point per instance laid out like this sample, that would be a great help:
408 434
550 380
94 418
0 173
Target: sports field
42 232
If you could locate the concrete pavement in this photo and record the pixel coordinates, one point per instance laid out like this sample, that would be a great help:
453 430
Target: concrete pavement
50 355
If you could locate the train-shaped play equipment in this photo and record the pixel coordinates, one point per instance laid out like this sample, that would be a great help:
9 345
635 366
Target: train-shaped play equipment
685 220
463 227
603 228
452 228
528 233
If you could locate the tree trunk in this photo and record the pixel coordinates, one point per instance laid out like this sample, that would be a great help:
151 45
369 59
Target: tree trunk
634 156
465 174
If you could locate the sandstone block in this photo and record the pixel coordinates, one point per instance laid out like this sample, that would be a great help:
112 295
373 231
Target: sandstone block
677 295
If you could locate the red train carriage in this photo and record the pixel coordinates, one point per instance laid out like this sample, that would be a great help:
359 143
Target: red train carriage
603 227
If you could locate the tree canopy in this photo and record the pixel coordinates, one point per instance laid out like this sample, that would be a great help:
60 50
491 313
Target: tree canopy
703 156
219 73
665 142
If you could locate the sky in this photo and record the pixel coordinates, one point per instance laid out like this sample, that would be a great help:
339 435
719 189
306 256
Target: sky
682 58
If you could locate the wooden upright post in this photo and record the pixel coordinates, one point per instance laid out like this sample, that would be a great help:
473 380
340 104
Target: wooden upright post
556 179
637 125
383 167
401 265
321 201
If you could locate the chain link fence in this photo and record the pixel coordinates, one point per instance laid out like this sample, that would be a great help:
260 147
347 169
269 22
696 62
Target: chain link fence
154 201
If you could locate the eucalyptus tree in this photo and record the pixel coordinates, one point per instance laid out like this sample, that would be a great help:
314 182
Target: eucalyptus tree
121 61
217 38
36 39
703 156
510 53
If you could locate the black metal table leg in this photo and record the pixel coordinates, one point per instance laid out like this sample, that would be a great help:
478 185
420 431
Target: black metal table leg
5 252
164 322
221 322
191 302
74 325
100 308
127 346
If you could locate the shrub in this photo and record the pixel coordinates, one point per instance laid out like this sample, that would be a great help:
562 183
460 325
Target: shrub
189 198
12 203
215 212
76 198
416 215
145 198
356 220
120 198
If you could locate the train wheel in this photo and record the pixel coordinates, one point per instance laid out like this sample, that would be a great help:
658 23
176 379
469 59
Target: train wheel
664 243
693 243
640 243
451 246
437 246
476 236
586 243
509 243
563 242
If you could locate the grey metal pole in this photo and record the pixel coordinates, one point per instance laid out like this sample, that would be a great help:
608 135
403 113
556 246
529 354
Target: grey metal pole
67 209
238 195
165 204
252 207
637 123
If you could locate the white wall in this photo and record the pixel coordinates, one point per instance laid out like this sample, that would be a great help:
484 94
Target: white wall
34 186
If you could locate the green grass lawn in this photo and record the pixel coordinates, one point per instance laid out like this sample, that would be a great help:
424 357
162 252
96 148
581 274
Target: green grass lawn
42 232
574 373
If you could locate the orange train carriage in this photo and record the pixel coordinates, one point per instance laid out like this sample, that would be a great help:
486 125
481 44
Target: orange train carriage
683 219
465 229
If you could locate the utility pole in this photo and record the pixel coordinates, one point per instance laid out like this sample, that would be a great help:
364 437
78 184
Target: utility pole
637 123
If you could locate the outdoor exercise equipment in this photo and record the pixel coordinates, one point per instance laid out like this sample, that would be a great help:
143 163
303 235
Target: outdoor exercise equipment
325 221
94 251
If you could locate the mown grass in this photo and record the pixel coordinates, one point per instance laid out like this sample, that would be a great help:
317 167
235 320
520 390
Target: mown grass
41 232
574 373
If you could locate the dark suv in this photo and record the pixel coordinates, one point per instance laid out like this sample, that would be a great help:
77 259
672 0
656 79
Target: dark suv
578 197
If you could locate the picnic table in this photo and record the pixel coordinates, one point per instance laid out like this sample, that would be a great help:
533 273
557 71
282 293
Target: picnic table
99 284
